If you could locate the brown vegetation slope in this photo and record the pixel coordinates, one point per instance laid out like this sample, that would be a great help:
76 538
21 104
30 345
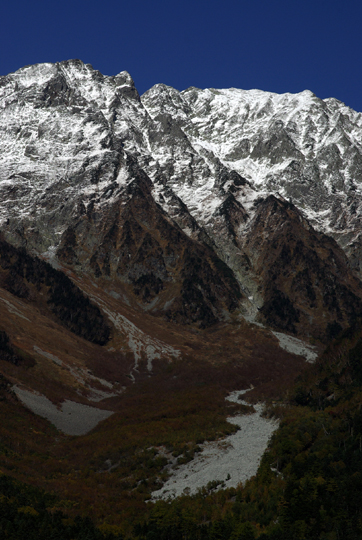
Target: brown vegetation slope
176 405
308 285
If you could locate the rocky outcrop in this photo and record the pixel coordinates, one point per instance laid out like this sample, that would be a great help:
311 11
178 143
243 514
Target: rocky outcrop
308 286
136 245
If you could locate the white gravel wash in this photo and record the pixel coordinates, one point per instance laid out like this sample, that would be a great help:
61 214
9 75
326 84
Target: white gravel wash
72 418
138 342
232 460
297 346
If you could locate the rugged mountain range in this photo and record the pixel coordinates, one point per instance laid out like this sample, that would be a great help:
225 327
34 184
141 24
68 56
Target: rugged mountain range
157 252
195 206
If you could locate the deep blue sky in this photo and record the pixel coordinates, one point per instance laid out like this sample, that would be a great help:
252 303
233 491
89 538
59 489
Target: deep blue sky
273 45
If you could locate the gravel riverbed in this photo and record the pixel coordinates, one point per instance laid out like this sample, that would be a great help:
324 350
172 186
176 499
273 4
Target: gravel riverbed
231 460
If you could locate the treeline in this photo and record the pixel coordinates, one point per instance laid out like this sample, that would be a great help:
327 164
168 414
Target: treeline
309 483
26 512
308 486
7 352
26 277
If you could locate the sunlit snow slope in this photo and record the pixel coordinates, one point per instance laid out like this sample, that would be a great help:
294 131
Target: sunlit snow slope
78 149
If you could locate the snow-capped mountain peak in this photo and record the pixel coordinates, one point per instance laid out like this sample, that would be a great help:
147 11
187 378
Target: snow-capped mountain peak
77 147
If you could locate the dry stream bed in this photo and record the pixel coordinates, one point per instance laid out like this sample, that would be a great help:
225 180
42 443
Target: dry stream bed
228 462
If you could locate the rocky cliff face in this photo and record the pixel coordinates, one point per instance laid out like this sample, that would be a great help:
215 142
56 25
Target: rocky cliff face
141 252
196 206
306 284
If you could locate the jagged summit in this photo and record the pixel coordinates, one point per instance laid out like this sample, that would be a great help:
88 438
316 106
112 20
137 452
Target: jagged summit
75 144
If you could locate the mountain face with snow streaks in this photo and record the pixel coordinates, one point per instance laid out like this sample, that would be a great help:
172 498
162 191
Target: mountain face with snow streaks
196 206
